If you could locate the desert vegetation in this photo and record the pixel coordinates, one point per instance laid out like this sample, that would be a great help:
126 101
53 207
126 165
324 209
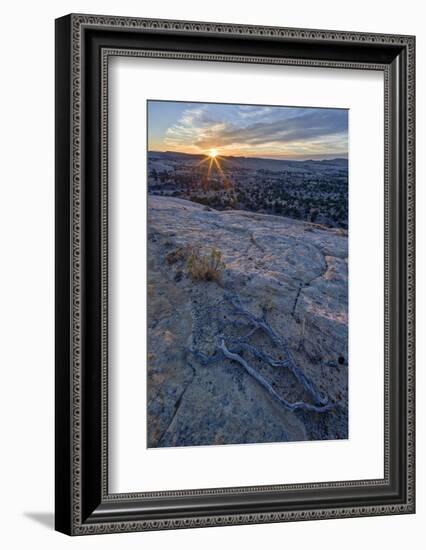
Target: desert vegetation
313 191
201 263
205 265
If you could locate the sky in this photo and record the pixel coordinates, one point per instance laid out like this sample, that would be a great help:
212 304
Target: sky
297 133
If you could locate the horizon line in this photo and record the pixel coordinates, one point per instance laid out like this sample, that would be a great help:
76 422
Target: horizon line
252 157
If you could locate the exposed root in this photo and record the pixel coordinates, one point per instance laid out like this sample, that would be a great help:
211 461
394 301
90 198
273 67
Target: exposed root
261 323
298 405
238 345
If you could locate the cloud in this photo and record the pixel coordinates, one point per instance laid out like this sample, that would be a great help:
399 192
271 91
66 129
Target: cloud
247 111
250 127
194 125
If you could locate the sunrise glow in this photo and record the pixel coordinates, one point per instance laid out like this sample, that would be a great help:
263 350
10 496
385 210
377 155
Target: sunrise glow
222 130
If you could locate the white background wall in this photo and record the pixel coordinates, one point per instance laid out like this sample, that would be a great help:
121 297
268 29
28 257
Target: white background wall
27 261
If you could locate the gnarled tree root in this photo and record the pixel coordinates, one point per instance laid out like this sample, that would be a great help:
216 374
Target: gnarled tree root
298 405
239 345
290 363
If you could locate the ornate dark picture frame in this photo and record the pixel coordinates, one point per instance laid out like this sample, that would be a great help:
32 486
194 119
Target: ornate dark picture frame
84 44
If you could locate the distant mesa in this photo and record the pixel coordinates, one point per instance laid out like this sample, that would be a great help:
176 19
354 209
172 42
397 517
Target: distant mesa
257 163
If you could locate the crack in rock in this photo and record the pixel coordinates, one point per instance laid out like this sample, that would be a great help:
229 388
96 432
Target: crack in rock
178 404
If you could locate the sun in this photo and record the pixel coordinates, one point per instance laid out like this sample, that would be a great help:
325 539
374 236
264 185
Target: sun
213 153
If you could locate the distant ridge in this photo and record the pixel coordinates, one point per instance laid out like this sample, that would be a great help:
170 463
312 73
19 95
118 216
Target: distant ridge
333 160
169 158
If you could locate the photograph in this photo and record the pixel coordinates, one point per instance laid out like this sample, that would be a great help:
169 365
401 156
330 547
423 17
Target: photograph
234 304
247 273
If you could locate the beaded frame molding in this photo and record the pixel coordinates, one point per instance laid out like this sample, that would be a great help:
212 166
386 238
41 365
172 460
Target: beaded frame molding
84 44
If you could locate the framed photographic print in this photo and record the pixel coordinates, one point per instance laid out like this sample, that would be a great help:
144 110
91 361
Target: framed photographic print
234 274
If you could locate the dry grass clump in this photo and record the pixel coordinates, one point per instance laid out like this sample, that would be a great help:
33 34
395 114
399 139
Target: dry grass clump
206 266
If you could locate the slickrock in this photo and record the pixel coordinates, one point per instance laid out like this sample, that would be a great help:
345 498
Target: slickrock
289 273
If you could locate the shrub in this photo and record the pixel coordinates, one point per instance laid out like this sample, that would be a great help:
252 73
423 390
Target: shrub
206 266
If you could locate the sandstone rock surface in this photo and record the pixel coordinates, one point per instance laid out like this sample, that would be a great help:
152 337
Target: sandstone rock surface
293 275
